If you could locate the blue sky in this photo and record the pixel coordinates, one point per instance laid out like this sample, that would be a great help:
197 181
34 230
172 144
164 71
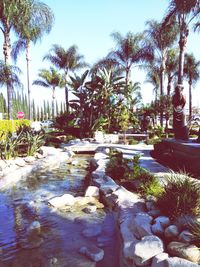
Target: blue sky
88 24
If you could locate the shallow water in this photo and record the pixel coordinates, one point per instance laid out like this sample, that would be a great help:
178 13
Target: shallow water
61 235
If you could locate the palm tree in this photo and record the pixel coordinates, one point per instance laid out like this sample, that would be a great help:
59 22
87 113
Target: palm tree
160 39
50 79
191 71
37 22
171 67
183 13
67 60
130 51
11 14
153 77
9 77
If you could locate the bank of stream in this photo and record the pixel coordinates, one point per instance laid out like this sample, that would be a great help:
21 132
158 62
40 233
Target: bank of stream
61 231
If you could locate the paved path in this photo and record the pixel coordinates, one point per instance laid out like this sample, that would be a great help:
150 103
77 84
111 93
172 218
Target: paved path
129 151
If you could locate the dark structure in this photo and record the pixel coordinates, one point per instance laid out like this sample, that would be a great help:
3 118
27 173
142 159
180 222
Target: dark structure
179 122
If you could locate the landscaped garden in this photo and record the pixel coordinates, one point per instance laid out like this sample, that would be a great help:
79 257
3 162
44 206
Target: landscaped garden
108 208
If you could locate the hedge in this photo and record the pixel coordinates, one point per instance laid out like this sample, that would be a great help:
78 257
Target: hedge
7 126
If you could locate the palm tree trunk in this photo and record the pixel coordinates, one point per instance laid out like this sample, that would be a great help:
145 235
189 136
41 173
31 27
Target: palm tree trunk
67 99
182 45
6 52
53 103
190 100
28 83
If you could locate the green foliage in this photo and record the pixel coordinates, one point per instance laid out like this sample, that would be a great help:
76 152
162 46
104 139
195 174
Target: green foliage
194 227
9 145
34 142
149 184
10 126
181 196
117 167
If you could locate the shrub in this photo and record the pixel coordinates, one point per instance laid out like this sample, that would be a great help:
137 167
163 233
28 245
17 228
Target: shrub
149 184
10 126
194 227
181 196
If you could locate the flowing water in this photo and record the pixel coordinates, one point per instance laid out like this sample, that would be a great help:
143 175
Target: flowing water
61 237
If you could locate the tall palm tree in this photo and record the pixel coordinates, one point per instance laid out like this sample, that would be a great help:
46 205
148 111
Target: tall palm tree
160 39
37 22
9 77
153 77
183 13
11 14
129 52
192 73
67 60
50 79
171 67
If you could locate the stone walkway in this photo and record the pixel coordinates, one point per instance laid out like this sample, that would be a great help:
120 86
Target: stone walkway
129 151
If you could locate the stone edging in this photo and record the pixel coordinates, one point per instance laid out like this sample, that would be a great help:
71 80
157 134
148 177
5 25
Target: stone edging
140 245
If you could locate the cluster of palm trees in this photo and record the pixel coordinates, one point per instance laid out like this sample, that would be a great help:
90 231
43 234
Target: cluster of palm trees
106 86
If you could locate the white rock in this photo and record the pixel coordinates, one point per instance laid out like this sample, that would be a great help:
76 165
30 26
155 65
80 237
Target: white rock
159 260
64 200
141 225
146 249
94 253
92 191
185 251
178 262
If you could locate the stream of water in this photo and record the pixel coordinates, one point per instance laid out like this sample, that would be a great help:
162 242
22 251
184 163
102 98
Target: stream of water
61 235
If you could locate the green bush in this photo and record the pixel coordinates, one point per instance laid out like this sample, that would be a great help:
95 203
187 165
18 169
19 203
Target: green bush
10 126
149 184
181 196
194 227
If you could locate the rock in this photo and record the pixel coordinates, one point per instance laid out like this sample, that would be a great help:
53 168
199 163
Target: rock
154 213
146 249
90 209
94 253
92 231
185 236
150 205
159 260
171 231
164 220
34 228
20 162
141 225
157 229
64 200
100 155
92 191
178 262
29 159
185 251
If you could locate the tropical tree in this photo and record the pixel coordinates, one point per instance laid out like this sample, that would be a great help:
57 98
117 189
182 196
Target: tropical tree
67 60
183 13
160 39
9 77
130 50
11 14
35 24
191 72
171 68
50 79
152 77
